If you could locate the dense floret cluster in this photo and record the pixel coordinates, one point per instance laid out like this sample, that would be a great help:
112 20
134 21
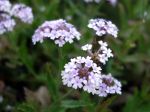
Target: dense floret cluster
23 12
8 11
83 73
109 85
6 23
5 6
103 27
58 30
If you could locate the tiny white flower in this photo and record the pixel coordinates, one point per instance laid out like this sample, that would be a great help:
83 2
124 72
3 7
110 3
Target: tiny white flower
86 47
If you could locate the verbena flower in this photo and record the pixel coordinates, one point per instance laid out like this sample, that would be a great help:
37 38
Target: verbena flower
5 6
103 27
6 23
58 30
23 12
109 85
83 73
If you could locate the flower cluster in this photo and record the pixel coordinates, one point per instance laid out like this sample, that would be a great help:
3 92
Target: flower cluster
6 23
85 72
58 30
103 27
5 6
22 12
8 11
109 85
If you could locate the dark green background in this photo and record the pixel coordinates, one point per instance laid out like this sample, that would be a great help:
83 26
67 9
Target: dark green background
23 64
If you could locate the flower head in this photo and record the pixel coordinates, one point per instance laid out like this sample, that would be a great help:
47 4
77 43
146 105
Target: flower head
58 30
109 85
5 6
103 27
23 12
6 23
83 73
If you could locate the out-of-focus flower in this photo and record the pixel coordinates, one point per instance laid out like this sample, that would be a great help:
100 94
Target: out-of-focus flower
42 8
58 30
6 23
5 6
8 108
83 73
103 27
109 85
23 12
86 47
112 2
1 99
97 1
69 17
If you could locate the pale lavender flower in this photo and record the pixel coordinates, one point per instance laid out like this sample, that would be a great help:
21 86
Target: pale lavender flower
103 27
58 30
5 6
109 85
6 23
23 12
83 73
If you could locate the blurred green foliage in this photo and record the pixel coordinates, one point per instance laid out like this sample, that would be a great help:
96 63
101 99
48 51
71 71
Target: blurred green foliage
23 64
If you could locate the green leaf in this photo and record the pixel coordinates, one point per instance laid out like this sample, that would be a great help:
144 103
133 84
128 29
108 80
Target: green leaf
74 104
